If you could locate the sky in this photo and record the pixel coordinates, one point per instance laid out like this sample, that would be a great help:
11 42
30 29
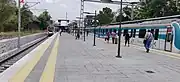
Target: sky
58 8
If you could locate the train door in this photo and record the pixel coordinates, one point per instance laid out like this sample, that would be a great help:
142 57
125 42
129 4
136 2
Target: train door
103 32
125 32
168 40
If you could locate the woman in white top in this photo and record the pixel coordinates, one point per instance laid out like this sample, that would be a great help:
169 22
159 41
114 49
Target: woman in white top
113 34
148 39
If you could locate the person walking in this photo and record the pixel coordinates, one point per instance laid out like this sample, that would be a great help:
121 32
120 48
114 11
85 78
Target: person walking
108 36
77 34
147 40
61 32
127 37
87 32
113 37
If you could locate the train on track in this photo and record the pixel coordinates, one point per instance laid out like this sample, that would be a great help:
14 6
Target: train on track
50 30
166 32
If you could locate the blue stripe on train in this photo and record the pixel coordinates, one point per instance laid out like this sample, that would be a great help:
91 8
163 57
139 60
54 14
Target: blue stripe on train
161 36
146 27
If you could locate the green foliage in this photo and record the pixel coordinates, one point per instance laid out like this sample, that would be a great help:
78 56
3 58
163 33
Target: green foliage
9 16
158 8
11 23
105 16
26 16
44 19
7 9
126 14
148 9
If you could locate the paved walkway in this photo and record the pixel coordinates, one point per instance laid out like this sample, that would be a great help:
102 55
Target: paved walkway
79 61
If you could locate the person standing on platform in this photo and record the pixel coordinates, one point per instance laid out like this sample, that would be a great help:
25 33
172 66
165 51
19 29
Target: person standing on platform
108 36
61 32
87 32
147 40
127 37
113 37
78 34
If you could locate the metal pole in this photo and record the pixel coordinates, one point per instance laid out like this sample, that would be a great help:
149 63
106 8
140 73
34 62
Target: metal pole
95 29
119 33
132 12
84 30
176 3
19 23
79 27
81 16
66 15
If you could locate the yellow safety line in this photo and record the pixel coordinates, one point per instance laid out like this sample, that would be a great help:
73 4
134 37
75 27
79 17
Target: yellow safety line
170 56
48 73
22 74
159 52
174 54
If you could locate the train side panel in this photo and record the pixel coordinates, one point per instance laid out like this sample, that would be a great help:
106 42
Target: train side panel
163 37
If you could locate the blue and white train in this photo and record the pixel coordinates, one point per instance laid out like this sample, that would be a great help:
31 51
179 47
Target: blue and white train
166 33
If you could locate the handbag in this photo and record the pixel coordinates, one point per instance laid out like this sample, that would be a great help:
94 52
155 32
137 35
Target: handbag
144 42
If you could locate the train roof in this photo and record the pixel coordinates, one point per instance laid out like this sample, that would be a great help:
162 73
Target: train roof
155 24
136 26
150 19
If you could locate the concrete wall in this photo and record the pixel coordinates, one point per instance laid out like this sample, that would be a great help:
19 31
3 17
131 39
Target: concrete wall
10 44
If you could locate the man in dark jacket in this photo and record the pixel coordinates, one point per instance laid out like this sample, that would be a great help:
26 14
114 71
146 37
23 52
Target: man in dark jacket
127 37
78 35
61 32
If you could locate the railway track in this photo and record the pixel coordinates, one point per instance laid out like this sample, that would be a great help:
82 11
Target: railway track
13 59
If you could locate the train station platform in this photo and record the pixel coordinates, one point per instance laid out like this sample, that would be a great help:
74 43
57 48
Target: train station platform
64 59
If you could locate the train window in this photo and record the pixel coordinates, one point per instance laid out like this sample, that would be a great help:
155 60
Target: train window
131 32
142 33
125 31
134 33
103 31
152 31
106 30
169 37
156 34
110 30
114 31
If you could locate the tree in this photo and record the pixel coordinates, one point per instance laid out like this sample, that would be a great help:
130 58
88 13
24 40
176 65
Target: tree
7 9
11 23
26 16
151 9
44 18
170 8
158 8
105 16
9 16
126 16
